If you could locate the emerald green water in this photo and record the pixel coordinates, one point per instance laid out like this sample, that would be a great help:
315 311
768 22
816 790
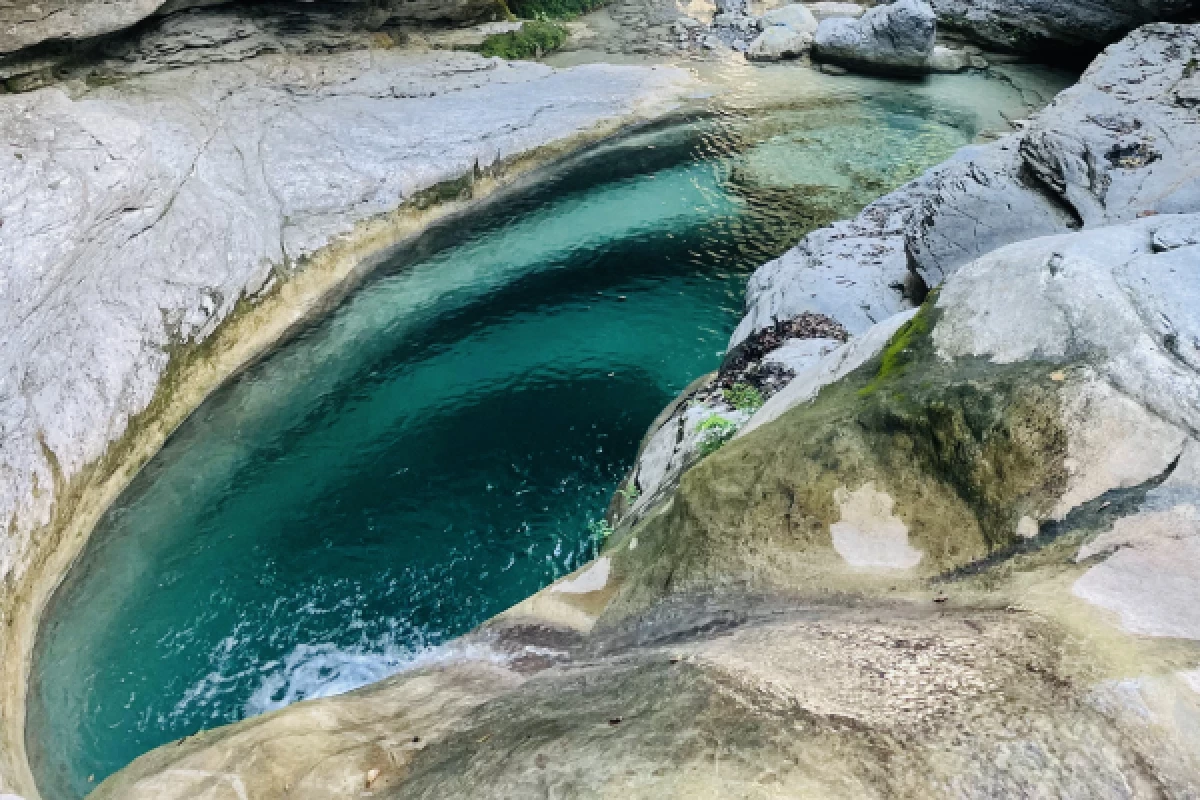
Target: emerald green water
432 451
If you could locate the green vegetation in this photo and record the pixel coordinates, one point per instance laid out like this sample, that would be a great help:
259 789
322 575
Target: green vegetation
600 531
552 9
743 397
899 352
535 39
631 493
714 432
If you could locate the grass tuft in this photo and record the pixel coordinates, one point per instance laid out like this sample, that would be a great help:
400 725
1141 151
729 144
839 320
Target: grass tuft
535 39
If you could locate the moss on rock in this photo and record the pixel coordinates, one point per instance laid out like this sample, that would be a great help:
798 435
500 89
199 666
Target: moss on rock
964 449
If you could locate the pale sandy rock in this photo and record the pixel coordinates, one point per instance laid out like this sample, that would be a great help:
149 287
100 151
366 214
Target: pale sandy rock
869 535
592 579
1113 443
1151 582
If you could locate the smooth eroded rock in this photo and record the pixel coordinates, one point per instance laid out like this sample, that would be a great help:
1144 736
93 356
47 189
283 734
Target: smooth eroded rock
896 38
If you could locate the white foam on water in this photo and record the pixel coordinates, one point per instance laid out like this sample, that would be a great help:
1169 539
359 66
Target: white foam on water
324 670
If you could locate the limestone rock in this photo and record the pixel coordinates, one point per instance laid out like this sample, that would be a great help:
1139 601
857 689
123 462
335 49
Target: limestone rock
894 38
795 16
779 42
1054 28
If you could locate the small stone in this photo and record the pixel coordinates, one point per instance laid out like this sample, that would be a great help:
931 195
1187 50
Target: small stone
372 776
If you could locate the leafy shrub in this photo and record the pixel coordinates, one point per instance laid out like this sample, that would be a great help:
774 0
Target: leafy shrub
743 397
534 39
631 493
714 432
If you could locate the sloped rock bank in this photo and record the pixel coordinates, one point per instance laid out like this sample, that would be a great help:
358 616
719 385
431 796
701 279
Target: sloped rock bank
156 234
954 555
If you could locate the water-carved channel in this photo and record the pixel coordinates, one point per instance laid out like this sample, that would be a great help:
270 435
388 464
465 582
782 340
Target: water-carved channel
433 450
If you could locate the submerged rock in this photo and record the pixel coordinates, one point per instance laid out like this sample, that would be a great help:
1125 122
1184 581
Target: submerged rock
896 38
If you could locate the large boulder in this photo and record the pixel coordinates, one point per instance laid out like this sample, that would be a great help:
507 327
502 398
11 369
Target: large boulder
896 38
1054 28
778 42
787 32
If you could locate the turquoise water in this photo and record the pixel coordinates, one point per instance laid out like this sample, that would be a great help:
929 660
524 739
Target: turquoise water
433 450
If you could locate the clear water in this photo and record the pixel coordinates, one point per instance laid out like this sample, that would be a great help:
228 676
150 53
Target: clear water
432 451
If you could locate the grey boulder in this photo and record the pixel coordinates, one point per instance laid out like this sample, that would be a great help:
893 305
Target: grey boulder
779 42
1046 26
794 16
897 38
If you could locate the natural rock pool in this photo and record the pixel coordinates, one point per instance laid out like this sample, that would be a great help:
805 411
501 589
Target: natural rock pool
434 450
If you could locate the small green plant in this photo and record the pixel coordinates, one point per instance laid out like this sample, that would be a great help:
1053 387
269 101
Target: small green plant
600 530
714 432
553 9
631 493
534 39
743 397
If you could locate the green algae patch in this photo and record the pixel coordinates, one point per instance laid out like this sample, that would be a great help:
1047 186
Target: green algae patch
534 39
902 350
961 450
